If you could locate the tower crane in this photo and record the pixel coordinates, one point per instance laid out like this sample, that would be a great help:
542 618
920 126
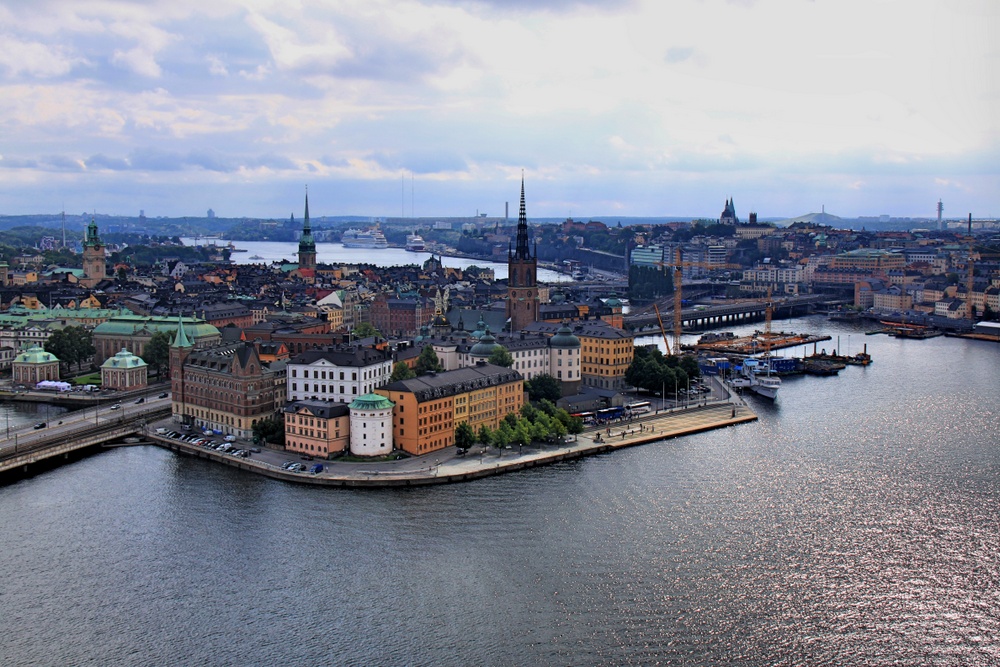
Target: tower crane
678 267
663 331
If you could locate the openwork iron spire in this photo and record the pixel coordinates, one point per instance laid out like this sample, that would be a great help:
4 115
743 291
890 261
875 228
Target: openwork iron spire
521 251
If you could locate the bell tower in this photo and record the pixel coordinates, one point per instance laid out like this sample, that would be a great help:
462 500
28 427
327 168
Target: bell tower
307 246
94 262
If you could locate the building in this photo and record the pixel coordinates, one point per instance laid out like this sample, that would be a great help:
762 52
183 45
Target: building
225 388
338 374
606 351
429 407
94 261
398 317
728 216
307 248
33 366
124 372
522 276
317 428
132 332
371 425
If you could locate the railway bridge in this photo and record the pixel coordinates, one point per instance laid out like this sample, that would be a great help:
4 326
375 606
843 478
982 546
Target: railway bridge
714 316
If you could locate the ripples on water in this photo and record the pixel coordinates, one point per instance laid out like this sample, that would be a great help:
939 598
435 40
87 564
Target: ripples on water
855 524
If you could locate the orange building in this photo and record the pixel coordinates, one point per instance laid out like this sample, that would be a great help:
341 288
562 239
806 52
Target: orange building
428 408
317 428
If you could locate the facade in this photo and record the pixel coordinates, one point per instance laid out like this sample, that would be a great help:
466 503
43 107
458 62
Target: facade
371 425
428 408
522 277
34 365
337 373
606 351
124 372
225 388
402 317
317 428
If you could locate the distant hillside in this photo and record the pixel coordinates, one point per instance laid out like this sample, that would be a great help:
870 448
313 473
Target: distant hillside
823 218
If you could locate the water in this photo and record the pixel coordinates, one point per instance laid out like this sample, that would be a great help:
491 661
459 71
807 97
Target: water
336 253
854 524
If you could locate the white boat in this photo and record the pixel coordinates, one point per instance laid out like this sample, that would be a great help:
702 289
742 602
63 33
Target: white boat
762 382
256 257
415 243
369 238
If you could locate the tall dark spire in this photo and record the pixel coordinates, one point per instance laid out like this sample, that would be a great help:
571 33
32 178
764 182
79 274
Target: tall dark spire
306 242
305 227
521 250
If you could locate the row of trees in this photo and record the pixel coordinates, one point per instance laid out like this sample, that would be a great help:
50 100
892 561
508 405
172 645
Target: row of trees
543 423
653 372
73 345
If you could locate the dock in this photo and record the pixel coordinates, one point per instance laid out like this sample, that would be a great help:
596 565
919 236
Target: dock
757 343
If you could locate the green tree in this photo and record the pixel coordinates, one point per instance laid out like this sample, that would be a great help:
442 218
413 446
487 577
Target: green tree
157 351
365 330
401 372
465 436
543 387
270 430
689 364
428 361
485 435
504 435
73 345
501 357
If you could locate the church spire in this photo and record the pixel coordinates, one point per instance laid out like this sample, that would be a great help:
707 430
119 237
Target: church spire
521 250
305 228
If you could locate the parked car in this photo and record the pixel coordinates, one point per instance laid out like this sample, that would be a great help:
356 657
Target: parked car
316 468
230 438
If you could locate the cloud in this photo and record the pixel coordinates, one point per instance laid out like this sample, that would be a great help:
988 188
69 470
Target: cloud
679 54
34 59
100 161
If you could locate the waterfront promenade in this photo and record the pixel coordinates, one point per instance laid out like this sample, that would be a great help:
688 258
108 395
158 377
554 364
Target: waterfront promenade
447 466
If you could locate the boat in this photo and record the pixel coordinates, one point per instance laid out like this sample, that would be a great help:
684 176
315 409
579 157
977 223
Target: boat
256 257
762 382
414 243
368 238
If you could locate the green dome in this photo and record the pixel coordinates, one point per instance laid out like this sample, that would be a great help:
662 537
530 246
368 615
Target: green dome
123 360
613 302
35 355
481 328
487 343
371 402
564 338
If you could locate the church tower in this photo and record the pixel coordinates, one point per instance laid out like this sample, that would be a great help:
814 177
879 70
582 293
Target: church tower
307 246
180 348
522 274
94 261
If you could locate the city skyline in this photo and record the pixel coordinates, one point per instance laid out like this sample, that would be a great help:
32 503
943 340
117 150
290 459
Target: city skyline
434 107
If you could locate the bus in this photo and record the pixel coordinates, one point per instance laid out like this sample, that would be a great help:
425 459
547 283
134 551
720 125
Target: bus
586 417
639 408
607 414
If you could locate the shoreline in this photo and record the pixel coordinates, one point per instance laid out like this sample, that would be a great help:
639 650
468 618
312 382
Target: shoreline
447 467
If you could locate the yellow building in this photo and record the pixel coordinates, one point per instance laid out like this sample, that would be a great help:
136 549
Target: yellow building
869 261
606 351
428 408
317 428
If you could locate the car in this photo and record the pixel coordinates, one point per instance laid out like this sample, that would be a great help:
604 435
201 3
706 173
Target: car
255 450
230 438
163 395
140 400
39 425
116 406
288 464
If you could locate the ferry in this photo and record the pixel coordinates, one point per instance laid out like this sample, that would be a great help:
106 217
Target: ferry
372 238
256 257
415 243
757 376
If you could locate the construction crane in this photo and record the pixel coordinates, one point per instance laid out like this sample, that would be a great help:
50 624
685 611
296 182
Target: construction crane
663 331
678 267
767 325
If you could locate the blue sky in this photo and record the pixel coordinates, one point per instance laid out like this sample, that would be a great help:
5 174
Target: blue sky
434 107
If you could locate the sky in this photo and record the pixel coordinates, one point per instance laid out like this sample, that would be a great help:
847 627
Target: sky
437 107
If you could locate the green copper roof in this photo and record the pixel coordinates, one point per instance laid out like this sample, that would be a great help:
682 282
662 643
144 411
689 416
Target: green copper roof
35 355
564 338
128 325
371 402
123 360
181 340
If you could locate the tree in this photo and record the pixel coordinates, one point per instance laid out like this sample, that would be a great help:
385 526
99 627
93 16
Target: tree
72 345
465 436
365 330
157 351
270 430
543 387
401 372
501 357
428 361
485 435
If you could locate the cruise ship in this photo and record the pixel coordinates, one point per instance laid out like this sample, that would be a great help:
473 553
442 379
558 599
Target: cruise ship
415 243
370 238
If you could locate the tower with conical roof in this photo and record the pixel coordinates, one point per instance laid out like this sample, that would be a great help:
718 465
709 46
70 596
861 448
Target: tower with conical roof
307 246
180 348
522 276
94 262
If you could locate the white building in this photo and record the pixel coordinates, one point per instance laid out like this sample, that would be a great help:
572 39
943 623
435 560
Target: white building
371 425
337 374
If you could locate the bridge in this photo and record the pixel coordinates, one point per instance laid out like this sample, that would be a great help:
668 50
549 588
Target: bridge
74 436
713 316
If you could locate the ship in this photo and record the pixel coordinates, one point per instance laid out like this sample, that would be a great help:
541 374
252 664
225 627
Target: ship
415 243
256 257
369 238
757 376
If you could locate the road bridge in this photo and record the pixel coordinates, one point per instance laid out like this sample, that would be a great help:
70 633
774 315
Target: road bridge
728 314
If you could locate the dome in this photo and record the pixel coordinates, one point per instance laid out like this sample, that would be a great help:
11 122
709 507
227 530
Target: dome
487 343
371 402
124 360
564 338
613 302
558 297
35 355
481 328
